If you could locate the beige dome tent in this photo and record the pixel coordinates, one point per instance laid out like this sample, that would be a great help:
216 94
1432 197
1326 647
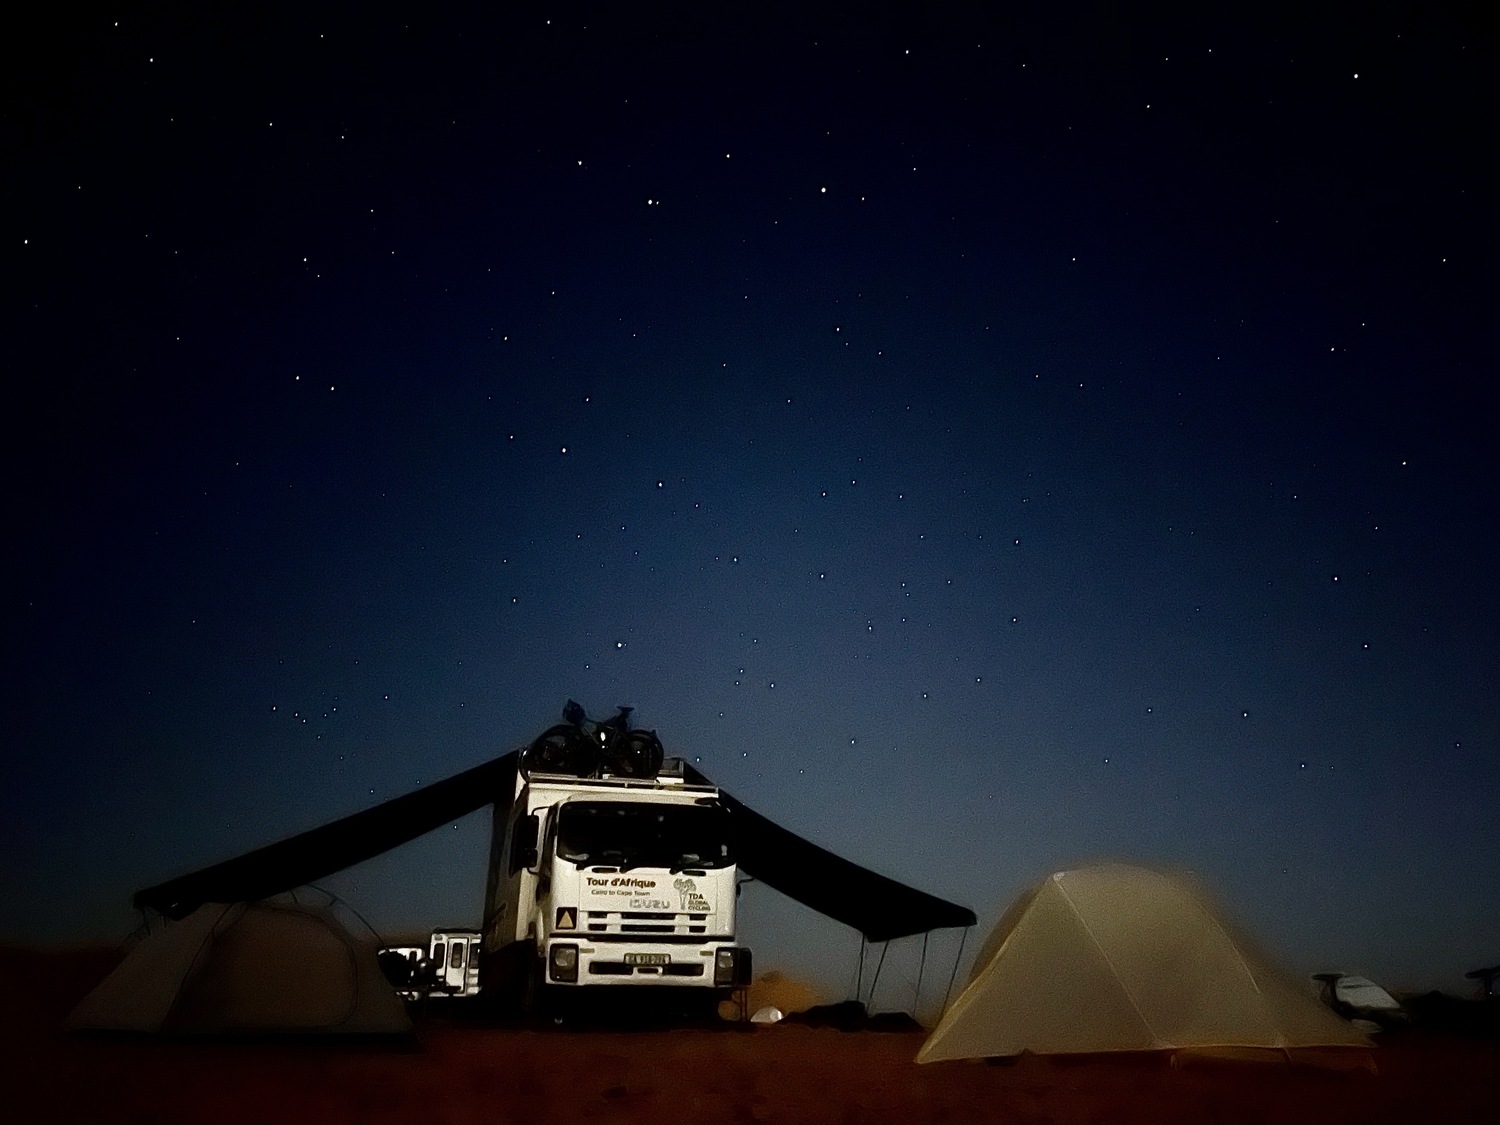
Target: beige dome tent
1117 958
246 969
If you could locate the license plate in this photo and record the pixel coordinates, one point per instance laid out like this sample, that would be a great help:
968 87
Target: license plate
648 959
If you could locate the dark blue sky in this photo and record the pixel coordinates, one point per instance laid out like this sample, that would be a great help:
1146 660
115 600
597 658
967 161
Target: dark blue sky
987 443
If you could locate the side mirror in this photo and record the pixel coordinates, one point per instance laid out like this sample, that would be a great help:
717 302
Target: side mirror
523 847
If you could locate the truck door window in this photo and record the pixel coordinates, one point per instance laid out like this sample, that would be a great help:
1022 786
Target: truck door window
456 960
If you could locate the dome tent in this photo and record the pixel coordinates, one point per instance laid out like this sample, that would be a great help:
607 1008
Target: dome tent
1119 958
262 968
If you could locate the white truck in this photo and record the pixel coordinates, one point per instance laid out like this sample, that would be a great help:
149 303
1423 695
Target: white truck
447 966
609 882
611 870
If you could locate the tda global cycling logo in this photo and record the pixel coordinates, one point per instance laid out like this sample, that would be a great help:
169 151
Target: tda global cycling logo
691 902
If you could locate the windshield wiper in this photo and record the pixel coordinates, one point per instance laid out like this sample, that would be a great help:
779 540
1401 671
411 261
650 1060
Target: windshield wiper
606 857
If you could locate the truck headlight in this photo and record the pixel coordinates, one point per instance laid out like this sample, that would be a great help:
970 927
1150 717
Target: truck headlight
731 967
564 963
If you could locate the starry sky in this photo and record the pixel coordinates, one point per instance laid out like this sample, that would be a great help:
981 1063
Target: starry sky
985 443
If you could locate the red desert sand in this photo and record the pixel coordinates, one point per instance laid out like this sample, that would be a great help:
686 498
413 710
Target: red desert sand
462 1073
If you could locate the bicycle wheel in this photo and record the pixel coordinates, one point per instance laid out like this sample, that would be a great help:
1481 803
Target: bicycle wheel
637 753
560 749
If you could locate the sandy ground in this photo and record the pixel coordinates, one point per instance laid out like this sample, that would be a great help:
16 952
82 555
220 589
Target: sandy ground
462 1073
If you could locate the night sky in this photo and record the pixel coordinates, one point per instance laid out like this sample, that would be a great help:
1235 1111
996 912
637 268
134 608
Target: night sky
984 443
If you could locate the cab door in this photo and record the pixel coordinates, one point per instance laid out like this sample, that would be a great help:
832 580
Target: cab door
542 908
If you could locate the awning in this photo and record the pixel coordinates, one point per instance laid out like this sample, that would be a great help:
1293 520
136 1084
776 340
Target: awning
319 852
876 906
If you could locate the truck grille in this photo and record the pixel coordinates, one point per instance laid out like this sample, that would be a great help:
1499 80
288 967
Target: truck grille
644 922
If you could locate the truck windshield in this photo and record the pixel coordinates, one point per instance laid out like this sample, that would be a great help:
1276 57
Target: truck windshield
630 834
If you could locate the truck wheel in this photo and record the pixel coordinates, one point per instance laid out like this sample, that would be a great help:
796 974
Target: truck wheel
527 989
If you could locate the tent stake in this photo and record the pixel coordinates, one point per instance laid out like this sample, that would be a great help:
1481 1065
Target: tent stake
954 973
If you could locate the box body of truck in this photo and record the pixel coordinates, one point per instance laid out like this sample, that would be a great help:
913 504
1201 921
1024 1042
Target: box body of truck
611 883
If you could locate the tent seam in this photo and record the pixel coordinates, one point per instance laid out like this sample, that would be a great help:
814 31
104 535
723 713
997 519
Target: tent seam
323 919
208 939
1265 1008
1155 1038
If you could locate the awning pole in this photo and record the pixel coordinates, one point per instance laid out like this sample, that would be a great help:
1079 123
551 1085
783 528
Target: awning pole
874 984
916 1000
859 972
954 973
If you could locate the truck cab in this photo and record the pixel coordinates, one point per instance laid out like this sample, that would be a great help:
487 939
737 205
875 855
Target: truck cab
613 882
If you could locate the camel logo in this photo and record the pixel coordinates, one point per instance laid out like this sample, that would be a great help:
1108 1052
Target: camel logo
690 901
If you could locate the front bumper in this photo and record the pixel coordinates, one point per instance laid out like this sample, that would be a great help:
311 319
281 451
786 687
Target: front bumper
575 963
